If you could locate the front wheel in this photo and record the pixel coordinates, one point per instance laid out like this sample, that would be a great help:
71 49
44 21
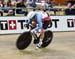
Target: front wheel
24 40
48 36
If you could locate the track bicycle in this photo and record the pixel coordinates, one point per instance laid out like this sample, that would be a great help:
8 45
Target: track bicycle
26 37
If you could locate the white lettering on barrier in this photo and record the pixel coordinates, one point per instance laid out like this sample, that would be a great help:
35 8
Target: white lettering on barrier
16 25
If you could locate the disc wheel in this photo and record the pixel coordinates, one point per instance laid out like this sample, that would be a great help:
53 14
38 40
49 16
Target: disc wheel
24 40
48 36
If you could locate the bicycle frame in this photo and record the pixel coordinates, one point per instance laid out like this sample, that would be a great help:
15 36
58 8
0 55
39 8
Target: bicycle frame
25 39
30 27
34 35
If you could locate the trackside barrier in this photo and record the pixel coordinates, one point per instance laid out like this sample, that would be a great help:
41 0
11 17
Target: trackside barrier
11 25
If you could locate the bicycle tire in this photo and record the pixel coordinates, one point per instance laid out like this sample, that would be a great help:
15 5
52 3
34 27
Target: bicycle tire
48 36
24 40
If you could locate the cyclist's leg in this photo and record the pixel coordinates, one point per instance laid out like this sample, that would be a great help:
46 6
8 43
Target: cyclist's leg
39 27
40 30
41 34
40 38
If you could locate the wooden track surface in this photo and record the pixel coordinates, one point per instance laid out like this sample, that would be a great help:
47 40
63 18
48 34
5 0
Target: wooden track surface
62 47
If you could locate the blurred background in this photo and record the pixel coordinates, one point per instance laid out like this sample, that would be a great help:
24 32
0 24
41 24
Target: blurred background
22 7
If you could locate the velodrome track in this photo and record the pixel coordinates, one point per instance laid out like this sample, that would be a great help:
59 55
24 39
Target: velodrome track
62 47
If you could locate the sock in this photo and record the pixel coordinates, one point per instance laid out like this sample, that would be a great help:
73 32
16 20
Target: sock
40 42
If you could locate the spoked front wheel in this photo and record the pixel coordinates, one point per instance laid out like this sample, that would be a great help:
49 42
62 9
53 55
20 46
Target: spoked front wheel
24 40
48 36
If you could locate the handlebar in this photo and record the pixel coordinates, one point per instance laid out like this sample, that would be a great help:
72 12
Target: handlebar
29 26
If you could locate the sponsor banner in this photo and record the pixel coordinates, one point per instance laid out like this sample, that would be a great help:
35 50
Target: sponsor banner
11 25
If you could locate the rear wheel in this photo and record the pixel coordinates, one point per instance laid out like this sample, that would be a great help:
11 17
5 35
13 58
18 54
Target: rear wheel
48 36
24 40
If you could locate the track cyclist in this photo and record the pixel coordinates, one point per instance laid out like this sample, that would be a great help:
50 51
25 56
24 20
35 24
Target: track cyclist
41 21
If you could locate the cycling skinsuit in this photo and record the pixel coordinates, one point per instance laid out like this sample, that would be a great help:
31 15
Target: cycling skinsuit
39 18
43 20
39 21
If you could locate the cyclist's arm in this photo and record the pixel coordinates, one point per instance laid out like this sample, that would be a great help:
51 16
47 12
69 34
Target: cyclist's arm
30 16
